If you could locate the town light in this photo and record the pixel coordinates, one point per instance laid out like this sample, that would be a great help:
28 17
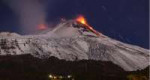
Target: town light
50 76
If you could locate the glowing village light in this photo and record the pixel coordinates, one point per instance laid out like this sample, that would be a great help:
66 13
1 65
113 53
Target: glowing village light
69 76
50 76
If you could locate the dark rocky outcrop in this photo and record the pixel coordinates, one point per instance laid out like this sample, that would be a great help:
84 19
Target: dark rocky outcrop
27 67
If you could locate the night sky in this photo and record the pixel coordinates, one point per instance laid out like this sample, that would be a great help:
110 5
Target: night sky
124 20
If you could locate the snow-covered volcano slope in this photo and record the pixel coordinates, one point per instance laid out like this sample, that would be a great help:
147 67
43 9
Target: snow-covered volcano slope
71 41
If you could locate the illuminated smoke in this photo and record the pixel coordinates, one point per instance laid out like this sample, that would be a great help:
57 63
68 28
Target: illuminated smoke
31 14
42 27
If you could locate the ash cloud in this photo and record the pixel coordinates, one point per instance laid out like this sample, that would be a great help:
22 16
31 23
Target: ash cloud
31 13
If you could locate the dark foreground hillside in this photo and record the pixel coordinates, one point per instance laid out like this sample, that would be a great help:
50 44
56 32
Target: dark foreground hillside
26 67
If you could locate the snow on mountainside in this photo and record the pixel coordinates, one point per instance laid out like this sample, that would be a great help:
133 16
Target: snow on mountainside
70 40
8 34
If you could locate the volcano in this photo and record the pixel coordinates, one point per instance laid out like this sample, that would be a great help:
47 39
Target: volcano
72 40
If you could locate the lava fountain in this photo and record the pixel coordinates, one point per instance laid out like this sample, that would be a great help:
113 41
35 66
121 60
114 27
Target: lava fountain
81 19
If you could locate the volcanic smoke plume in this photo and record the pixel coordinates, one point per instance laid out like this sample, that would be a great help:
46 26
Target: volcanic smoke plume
31 14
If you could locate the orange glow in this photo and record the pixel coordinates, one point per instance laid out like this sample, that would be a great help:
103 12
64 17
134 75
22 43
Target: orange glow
42 27
82 20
